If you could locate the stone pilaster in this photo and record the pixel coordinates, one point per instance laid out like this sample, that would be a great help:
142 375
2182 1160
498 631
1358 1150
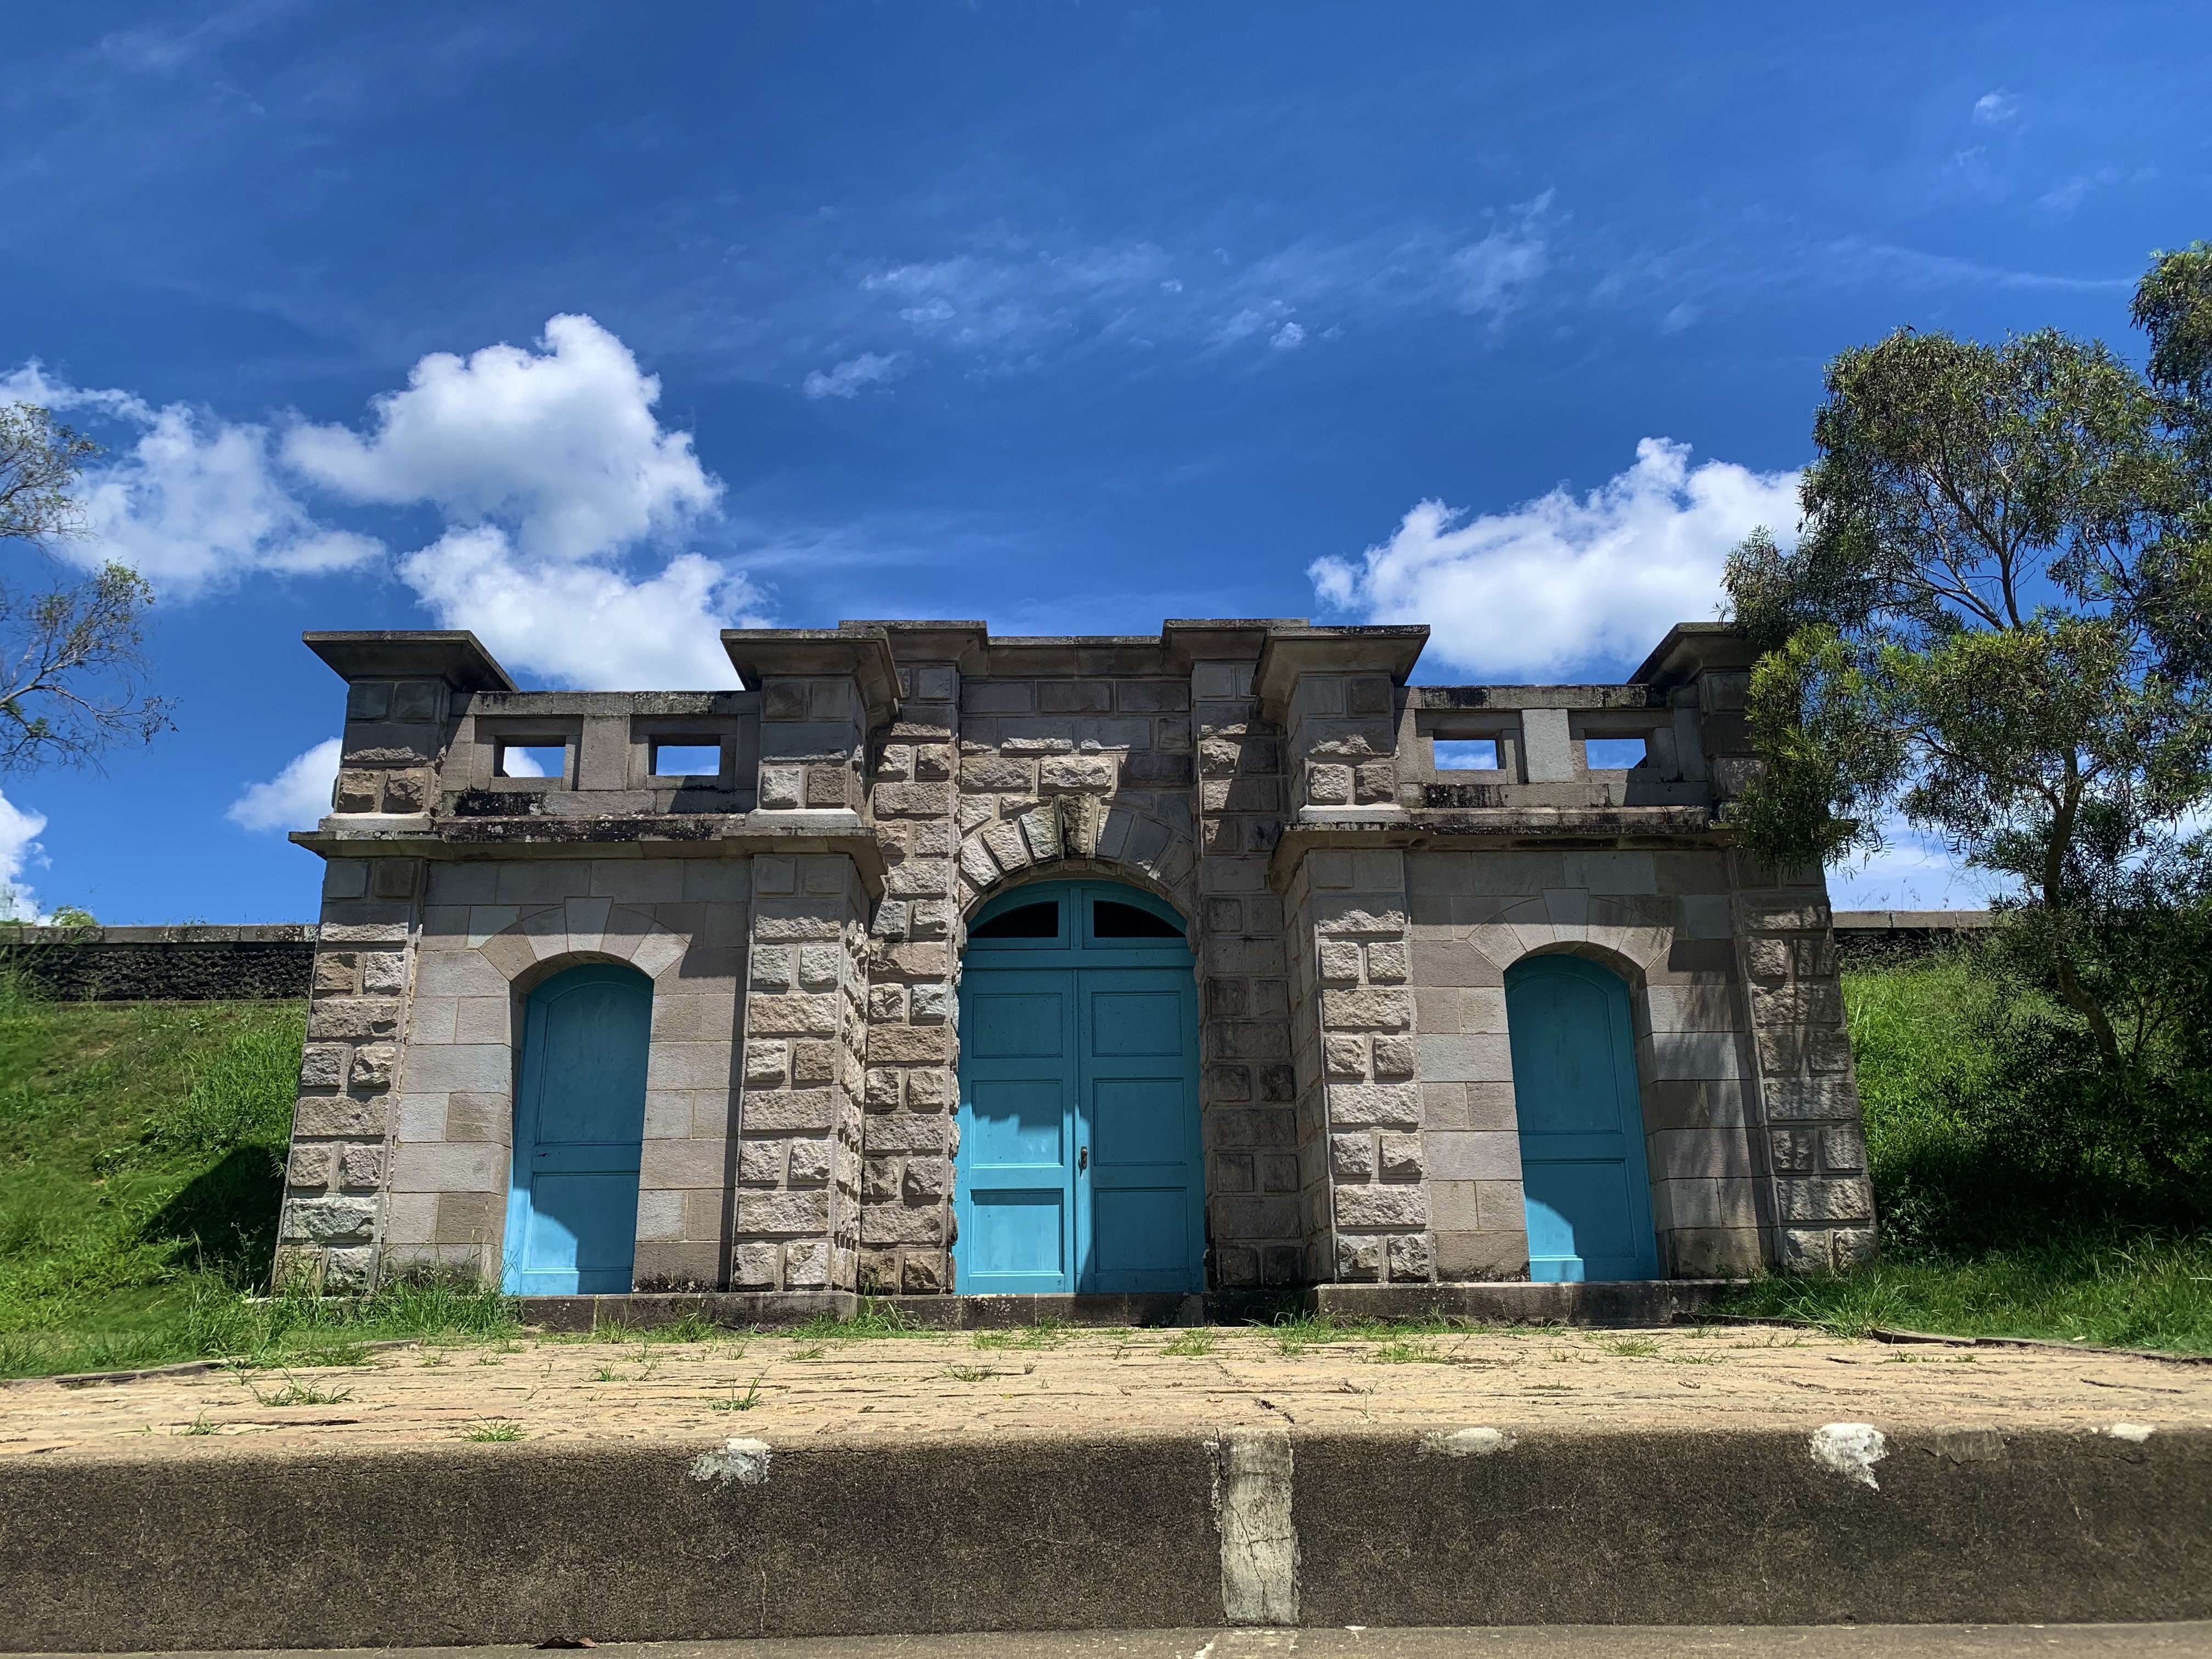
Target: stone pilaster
1823 1205
333 1224
1248 1089
799 1153
911 1092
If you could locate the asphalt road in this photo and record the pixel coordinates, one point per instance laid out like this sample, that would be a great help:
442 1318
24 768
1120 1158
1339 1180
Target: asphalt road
2176 1641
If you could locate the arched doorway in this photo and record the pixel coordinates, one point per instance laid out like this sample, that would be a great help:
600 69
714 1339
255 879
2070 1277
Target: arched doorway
1583 1179
579 1120
1079 1167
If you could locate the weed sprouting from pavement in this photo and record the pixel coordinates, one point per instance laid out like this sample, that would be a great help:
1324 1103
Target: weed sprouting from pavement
495 1430
733 1401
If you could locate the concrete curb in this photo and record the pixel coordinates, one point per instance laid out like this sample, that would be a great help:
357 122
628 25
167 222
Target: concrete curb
463 1543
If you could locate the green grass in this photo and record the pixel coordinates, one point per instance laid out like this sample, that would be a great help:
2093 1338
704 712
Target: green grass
2145 1292
142 1157
1982 1234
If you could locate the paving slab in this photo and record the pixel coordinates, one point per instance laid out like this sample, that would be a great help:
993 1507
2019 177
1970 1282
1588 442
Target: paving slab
546 1388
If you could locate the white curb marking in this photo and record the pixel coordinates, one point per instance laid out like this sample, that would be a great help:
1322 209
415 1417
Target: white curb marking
1852 1450
2135 1433
1252 1510
1466 1442
744 1462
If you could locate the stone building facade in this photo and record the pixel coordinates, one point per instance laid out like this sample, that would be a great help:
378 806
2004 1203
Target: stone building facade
795 906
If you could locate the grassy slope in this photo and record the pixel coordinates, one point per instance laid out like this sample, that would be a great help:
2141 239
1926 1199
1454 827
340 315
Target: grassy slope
141 1167
1923 1050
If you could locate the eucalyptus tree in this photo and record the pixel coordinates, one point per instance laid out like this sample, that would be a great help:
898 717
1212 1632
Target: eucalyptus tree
72 658
1997 623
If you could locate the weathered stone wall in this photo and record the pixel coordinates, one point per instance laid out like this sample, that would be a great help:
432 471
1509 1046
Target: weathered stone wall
1356 998
1823 1202
798 1161
334 1181
163 964
1255 1182
1663 920
402 1141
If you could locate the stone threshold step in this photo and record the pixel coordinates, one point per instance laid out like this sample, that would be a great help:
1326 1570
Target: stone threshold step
1625 1304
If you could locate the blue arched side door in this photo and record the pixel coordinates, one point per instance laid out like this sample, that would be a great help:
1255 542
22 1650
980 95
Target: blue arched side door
1583 1170
579 1120
1079 1167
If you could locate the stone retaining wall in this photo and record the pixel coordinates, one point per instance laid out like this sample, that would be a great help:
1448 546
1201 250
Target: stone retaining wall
164 964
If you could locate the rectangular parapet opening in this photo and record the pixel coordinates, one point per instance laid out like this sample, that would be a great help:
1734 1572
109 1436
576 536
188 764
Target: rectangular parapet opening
1467 754
687 758
531 758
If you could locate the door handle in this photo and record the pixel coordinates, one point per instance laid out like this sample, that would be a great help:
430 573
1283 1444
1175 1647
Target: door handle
1082 1157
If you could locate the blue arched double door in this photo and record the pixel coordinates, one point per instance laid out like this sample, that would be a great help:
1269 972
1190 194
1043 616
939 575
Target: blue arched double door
579 1124
1585 1188
1079 1166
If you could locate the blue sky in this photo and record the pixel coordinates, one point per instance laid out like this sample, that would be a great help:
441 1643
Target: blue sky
1067 316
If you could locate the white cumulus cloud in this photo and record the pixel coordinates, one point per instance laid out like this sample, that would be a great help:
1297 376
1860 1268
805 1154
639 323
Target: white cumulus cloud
194 502
847 379
1565 582
296 798
18 847
551 471
586 623
1994 109
562 443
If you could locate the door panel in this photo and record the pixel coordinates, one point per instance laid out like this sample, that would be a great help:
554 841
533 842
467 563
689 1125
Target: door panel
1134 1021
1017 1233
1016 1195
1583 1168
579 1121
1079 1167
1146 1176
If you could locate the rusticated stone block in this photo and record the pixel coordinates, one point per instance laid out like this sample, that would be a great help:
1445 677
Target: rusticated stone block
792 1016
1411 1260
1344 1056
1369 1010
765 1062
329 1220
352 1019
323 1066
1382 1207
1351 1156
896 1224
784 1111
1824 1200
783 1213
338 1114
996 774
813 1062
1401 1157
906 1045
1792 1049
310 1166
372 1063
